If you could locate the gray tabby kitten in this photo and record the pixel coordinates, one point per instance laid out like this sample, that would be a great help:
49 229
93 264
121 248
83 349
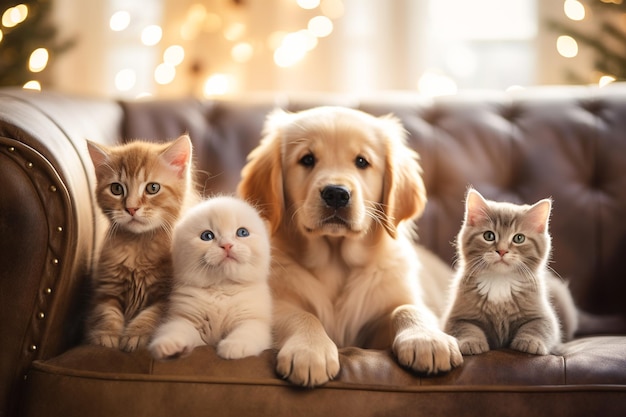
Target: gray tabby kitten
501 293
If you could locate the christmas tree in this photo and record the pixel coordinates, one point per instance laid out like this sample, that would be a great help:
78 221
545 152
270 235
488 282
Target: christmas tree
606 39
28 42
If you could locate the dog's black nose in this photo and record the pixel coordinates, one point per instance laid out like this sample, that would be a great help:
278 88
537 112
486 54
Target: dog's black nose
336 196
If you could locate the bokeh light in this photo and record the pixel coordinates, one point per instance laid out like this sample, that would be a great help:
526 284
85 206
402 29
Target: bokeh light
574 9
151 35
164 73
308 4
13 16
32 85
125 79
174 55
567 46
119 20
218 85
320 26
38 60
242 52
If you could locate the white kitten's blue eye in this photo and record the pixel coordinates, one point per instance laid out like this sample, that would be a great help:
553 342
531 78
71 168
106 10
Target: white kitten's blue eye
243 232
207 235
153 188
519 238
489 236
117 188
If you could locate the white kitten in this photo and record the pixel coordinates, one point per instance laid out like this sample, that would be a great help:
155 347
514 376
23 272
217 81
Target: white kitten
221 256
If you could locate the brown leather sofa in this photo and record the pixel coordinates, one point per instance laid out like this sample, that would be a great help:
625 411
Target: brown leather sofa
564 142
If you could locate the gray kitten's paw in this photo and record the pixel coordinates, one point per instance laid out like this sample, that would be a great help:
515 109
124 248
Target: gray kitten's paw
531 345
473 346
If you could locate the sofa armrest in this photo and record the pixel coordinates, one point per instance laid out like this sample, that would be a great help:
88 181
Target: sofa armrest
48 227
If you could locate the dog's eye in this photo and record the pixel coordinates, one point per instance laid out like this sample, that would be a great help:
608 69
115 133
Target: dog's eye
307 160
361 162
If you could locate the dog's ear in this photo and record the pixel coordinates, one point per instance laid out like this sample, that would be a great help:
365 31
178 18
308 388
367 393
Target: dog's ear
404 193
261 178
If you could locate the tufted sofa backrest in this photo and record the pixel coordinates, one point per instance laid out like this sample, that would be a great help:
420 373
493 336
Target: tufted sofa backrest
568 143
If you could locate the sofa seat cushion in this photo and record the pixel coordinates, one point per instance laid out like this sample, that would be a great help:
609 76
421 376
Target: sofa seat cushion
89 378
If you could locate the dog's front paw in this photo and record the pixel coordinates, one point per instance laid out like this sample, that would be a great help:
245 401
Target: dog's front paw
473 345
308 364
427 351
533 345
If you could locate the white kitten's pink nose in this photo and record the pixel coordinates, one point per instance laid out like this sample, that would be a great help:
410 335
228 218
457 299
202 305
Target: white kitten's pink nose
227 246
132 210
502 252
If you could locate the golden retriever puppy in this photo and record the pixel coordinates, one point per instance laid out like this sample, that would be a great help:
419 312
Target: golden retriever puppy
339 189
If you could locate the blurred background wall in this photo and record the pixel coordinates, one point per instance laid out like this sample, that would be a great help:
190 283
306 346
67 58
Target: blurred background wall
169 48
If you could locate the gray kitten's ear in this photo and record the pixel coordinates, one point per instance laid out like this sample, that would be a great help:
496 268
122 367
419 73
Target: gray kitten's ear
475 207
538 215
99 155
178 154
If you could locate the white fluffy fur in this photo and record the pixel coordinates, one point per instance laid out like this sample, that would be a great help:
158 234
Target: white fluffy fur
221 295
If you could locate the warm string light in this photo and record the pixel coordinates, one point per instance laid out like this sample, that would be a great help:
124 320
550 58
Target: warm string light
288 48
566 45
38 60
119 21
13 16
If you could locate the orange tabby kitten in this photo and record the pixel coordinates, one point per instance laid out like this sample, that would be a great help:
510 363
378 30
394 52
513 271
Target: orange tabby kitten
141 188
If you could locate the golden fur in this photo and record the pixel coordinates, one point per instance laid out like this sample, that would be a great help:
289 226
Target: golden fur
339 189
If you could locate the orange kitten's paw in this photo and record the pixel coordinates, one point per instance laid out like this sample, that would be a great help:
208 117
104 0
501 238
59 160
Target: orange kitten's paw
473 346
132 343
531 345
427 351
110 340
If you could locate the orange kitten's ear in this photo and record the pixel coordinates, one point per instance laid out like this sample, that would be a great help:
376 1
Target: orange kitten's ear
476 207
178 154
99 155
538 215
